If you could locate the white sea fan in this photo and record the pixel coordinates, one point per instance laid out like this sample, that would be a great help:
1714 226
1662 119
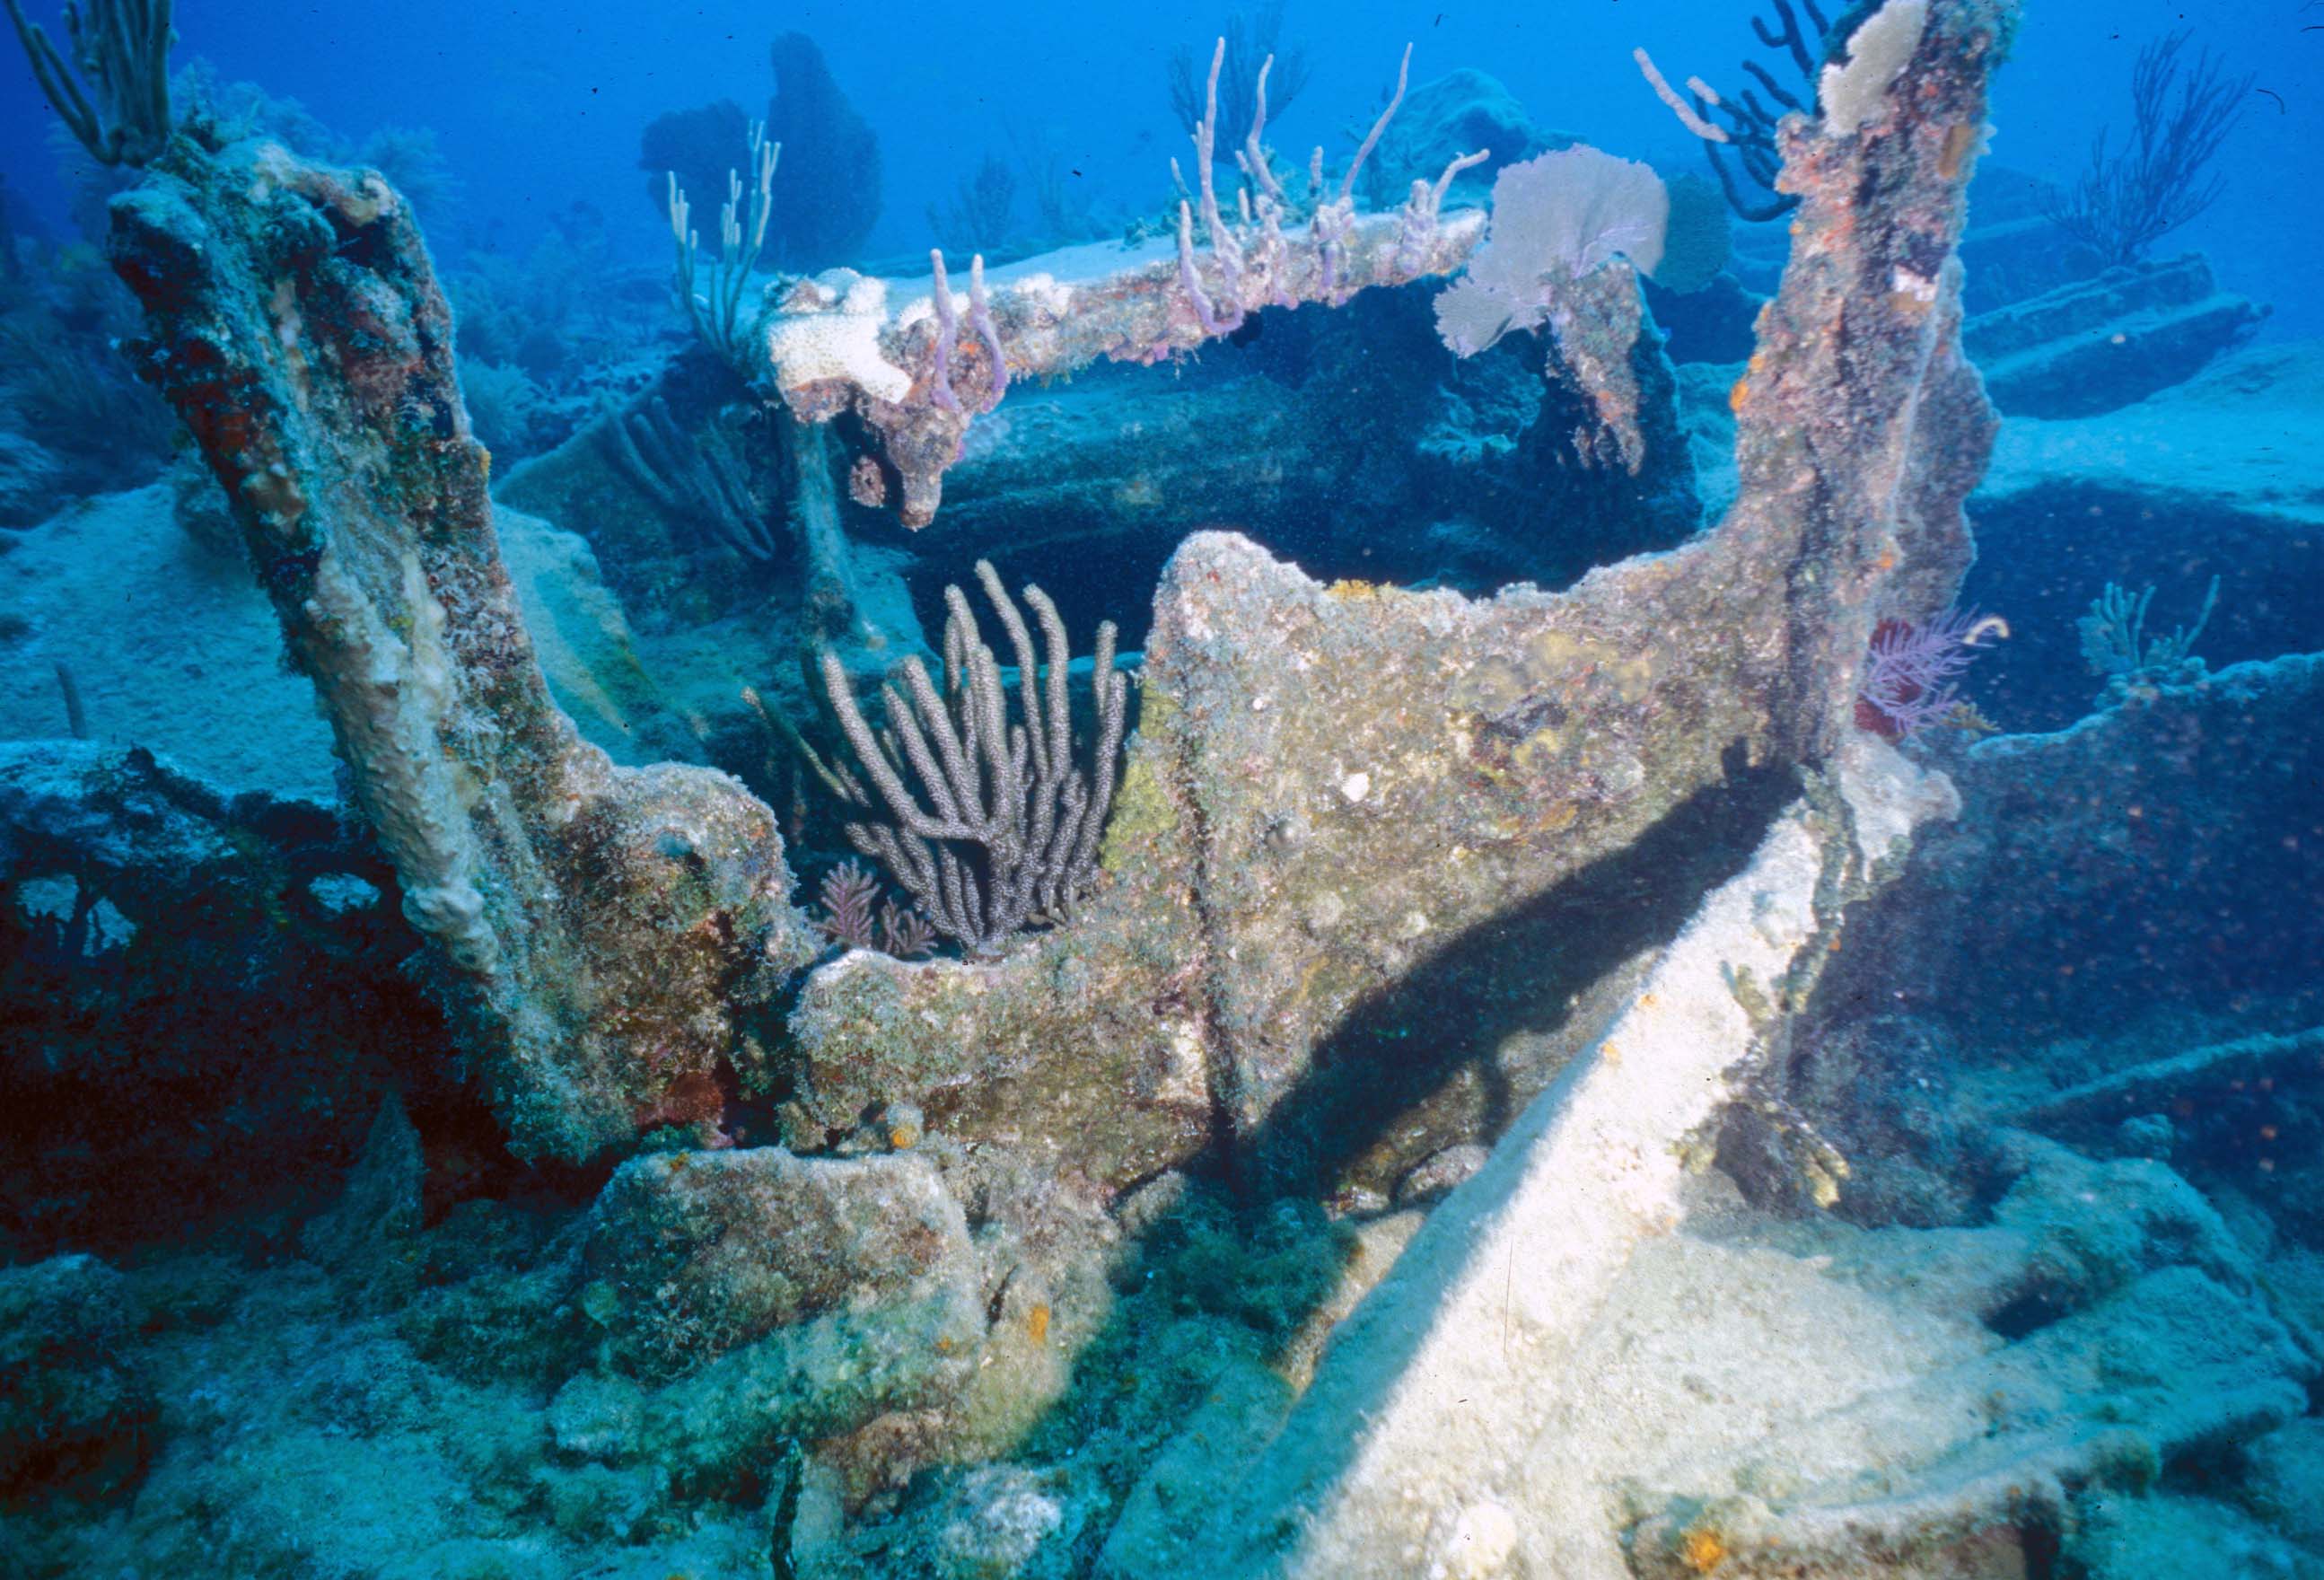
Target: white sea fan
1470 315
1555 218
1581 206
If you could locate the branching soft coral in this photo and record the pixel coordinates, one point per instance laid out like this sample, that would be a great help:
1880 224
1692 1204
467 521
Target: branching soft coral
1909 675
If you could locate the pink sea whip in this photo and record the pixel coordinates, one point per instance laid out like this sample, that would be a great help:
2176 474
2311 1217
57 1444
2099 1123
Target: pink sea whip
980 319
947 336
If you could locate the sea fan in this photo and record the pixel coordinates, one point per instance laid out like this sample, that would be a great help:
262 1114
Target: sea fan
1555 218
1909 673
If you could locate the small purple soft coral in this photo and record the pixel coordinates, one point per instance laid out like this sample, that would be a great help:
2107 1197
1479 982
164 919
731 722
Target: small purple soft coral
1908 675
848 891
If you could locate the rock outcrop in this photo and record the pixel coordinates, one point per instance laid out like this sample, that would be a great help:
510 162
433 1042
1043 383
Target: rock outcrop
594 929
77 1399
230 961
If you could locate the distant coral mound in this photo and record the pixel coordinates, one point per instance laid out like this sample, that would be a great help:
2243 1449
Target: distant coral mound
698 146
1460 112
827 182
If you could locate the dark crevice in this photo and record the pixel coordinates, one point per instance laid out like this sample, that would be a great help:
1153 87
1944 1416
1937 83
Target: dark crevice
2031 1312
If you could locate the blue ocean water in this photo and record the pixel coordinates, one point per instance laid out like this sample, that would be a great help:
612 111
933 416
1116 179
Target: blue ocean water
538 107
1025 861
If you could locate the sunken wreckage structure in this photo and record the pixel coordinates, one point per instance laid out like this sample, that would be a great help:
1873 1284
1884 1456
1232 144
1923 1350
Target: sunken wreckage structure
1325 784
